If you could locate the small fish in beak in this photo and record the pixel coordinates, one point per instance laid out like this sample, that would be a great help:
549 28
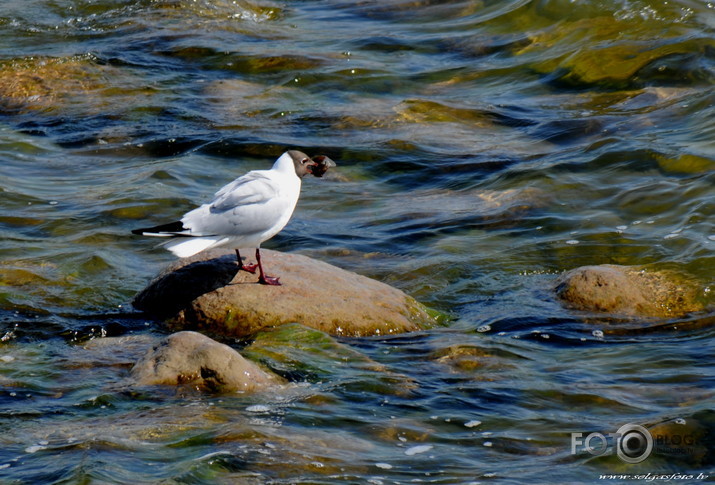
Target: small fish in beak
322 164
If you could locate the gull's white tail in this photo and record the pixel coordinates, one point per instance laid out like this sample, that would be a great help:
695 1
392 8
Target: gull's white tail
185 247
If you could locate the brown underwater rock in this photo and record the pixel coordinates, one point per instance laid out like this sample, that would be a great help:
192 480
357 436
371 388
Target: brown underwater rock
686 439
53 84
190 358
628 291
207 293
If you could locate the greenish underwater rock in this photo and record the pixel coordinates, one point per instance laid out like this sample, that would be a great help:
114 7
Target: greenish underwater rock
306 354
628 291
190 358
207 293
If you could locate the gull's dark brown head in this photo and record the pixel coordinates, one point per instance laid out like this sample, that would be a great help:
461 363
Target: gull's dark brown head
301 162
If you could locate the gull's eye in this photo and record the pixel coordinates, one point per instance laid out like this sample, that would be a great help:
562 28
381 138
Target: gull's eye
305 160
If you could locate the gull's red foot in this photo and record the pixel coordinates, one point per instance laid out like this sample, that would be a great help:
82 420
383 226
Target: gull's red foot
251 268
269 280
263 279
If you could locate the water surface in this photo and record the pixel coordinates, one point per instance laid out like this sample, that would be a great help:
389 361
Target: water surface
484 147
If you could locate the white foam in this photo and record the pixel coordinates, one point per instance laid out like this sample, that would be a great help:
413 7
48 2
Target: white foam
416 450
34 448
258 408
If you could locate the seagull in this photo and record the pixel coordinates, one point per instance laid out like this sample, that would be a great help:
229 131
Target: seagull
246 212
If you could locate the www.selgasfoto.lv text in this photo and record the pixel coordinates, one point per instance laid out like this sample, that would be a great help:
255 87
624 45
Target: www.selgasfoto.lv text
651 477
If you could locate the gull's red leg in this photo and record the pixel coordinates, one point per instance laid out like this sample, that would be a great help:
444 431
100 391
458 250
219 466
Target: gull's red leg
262 278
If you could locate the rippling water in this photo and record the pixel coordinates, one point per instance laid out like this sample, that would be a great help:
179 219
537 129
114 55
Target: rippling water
483 146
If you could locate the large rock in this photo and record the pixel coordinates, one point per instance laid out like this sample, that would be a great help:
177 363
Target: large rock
207 292
190 358
628 291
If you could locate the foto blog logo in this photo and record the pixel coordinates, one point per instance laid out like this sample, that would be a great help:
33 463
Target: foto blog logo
632 443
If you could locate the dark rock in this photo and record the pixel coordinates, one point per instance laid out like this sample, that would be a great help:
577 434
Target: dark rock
190 358
629 291
206 292
183 282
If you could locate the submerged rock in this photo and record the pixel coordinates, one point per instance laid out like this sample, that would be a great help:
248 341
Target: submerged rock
628 291
57 83
190 358
462 358
300 353
207 292
37 83
613 60
687 439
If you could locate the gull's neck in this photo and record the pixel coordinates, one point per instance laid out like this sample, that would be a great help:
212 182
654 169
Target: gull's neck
285 164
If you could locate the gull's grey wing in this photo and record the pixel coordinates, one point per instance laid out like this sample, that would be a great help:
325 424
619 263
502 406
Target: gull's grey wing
249 205
252 188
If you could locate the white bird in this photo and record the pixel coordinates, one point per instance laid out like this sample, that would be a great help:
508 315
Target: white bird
248 211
